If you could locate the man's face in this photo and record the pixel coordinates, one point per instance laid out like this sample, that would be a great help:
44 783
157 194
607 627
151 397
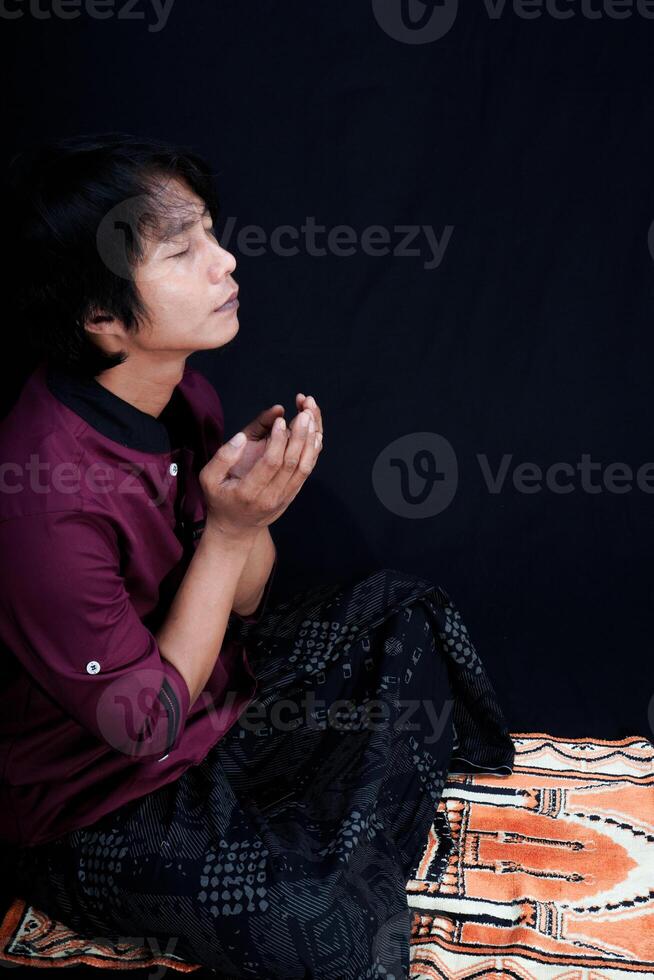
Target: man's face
183 279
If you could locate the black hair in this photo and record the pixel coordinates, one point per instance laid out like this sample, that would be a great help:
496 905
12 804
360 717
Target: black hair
79 210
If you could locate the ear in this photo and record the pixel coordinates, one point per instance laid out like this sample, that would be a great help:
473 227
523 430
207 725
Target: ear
102 324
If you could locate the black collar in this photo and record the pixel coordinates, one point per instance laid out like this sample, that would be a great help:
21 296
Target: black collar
116 418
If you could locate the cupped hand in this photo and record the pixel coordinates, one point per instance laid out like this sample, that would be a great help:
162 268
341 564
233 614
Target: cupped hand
258 431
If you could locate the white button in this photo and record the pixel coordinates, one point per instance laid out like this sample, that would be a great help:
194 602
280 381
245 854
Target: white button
93 667
163 757
173 469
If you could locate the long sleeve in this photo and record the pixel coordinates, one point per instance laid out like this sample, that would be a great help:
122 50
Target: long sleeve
67 617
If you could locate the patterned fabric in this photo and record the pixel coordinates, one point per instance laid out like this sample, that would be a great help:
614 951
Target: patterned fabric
547 875
455 932
285 853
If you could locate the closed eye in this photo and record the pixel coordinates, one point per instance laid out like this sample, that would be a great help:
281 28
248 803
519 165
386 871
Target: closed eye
210 231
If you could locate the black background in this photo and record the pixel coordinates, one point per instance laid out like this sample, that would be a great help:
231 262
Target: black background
532 140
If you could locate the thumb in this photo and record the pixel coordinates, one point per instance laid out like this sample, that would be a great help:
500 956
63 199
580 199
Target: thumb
230 451
236 443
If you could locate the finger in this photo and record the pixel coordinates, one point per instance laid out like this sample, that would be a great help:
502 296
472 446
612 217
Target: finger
306 463
299 403
305 402
310 402
262 424
309 452
294 421
299 435
269 464
312 407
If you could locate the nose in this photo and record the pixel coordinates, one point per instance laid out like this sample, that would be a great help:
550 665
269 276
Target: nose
222 263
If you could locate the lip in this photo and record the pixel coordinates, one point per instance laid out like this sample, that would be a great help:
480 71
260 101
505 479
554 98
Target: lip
229 303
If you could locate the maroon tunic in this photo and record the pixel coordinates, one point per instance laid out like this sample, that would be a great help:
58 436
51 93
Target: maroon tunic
100 512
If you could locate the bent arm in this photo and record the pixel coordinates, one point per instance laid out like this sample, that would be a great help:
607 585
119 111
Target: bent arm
66 615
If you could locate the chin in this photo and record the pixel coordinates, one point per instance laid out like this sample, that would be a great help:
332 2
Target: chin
227 331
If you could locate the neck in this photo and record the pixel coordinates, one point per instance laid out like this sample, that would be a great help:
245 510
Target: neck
148 387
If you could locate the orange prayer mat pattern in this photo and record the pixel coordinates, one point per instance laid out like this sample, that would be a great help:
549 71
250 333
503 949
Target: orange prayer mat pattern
547 874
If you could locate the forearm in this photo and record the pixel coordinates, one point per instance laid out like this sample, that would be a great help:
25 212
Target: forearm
192 634
255 574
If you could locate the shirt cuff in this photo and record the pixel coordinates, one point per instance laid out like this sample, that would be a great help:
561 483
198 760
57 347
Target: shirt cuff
177 698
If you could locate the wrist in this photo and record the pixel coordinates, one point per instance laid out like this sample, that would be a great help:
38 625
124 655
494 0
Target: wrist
229 539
